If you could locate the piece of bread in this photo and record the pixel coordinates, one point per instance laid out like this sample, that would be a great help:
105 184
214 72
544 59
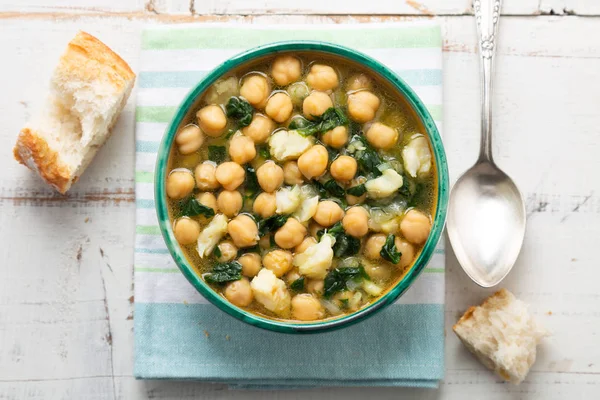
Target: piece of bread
88 90
502 335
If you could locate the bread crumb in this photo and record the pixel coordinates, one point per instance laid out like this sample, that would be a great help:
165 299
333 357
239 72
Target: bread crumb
549 312
227 337
86 220
502 335
185 302
206 333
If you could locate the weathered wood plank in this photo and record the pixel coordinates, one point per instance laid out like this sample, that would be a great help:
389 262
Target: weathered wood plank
308 7
67 263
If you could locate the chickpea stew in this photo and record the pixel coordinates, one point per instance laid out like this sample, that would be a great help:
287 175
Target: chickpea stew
301 187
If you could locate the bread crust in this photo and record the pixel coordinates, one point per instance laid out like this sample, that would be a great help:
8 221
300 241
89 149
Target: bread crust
502 293
33 151
86 59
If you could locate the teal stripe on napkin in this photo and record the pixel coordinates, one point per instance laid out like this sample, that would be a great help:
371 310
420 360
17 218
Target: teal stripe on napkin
178 334
404 339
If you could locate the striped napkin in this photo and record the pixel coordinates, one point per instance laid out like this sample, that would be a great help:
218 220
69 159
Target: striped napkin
178 334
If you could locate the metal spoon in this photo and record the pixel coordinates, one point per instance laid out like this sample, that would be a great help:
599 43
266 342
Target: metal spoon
486 215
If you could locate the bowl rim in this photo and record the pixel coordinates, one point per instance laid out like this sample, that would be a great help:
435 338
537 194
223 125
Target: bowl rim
340 51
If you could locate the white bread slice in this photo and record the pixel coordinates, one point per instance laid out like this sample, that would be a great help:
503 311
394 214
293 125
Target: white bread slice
88 90
502 335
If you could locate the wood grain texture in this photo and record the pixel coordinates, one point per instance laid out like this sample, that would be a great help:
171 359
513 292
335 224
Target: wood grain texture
307 7
66 276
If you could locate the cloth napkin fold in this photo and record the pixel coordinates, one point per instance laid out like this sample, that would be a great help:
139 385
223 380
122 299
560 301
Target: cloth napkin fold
178 334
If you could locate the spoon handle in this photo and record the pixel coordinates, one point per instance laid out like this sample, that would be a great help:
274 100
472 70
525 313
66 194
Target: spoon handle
487 16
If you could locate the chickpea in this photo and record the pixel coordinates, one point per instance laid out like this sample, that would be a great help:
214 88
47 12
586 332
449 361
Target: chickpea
328 213
337 137
316 104
306 243
356 222
186 230
251 264
189 139
286 69
353 200
239 293
279 107
382 136
359 81
264 205
313 162
230 175
212 120
343 168
314 228
259 129
407 250
306 307
315 286
290 234
243 231
322 77
415 227
208 199
180 183
241 149
278 261
298 92
292 174
205 176
374 245
228 251
378 271
255 89
362 106
230 202
269 176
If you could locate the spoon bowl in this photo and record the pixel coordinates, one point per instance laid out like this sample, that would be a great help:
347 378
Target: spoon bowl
486 223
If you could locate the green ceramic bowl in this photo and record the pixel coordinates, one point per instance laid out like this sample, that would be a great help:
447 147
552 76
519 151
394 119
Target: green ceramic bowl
377 69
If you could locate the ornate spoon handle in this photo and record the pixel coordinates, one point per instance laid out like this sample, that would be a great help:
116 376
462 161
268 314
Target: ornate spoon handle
487 16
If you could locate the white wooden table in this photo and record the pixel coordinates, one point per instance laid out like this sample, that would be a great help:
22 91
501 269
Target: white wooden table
66 262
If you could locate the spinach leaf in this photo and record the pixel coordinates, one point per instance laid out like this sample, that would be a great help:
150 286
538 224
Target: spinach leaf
345 245
263 151
367 159
331 153
217 252
225 272
331 118
298 122
389 251
298 284
329 189
334 188
240 110
251 182
230 133
192 207
357 191
336 279
354 128
271 223
217 154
